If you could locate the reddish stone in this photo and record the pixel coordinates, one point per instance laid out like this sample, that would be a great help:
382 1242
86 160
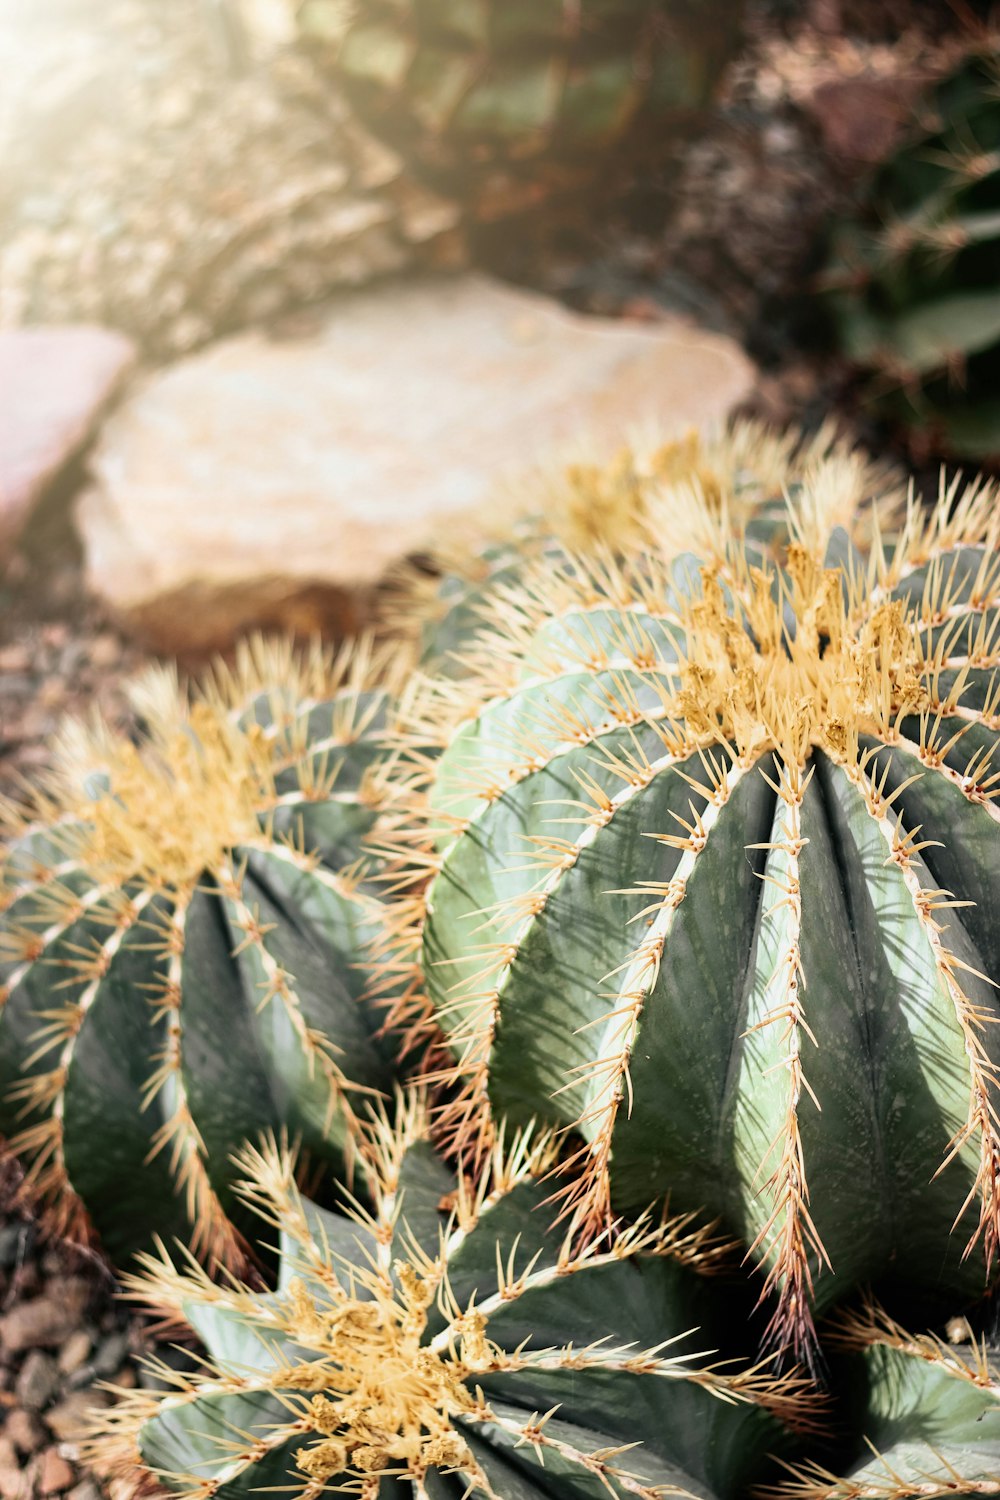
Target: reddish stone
861 119
54 384
47 1321
54 1474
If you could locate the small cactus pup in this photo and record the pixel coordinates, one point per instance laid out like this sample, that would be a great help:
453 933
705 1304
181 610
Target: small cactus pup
932 1423
715 886
916 278
673 492
182 945
447 1343
502 101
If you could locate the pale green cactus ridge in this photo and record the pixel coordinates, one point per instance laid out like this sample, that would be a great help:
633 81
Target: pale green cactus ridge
698 913
184 949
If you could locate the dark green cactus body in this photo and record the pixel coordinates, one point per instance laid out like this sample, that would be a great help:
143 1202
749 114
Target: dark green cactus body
450 1343
694 854
533 88
931 1424
183 958
917 291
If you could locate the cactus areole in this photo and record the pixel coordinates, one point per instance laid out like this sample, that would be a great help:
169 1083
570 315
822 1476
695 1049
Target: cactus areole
716 890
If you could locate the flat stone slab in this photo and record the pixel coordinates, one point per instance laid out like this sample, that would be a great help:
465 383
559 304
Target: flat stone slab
54 385
267 482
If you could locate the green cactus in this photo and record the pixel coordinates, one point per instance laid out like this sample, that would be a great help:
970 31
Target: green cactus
715 888
932 1423
485 94
915 279
447 1341
181 950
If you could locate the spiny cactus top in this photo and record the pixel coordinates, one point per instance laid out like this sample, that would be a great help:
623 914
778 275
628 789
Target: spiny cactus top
181 949
916 276
931 1425
540 89
716 886
446 1342
673 494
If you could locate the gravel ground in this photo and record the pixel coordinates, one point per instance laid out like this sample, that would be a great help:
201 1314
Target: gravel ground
61 1337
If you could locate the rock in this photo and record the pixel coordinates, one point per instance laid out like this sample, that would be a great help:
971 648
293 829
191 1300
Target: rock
54 384
85 1490
71 1417
861 119
74 1352
37 1381
110 1354
269 481
13 1484
16 1240
54 1474
46 1321
24 1430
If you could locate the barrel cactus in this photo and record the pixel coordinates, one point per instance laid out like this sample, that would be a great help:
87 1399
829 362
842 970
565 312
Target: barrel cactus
915 285
931 1424
182 946
446 1341
487 95
715 889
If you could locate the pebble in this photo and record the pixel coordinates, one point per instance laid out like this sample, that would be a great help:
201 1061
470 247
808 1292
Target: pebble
85 1490
24 1430
73 1414
105 650
55 1474
46 1321
110 1354
16 1241
75 1351
38 1381
13 658
13 1485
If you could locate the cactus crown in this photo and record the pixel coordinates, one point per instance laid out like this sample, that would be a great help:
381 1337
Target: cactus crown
389 1346
207 774
682 495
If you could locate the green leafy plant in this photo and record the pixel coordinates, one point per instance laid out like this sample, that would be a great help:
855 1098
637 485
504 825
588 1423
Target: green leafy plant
932 1421
182 946
446 1340
715 890
916 290
485 93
